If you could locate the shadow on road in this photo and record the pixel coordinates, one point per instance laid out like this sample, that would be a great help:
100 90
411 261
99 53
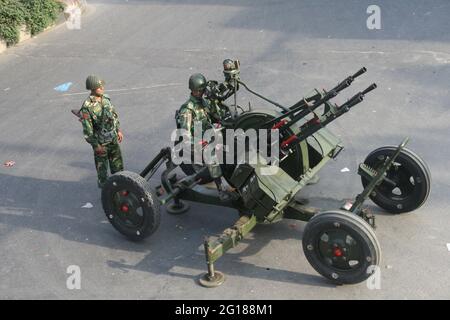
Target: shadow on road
55 207
183 257
324 19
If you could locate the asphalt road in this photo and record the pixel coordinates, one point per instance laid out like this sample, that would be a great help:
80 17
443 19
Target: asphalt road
146 51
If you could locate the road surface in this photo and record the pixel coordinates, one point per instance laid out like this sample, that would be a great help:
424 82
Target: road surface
146 51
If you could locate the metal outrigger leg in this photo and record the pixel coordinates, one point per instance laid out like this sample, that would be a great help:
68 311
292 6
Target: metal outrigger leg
230 237
216 248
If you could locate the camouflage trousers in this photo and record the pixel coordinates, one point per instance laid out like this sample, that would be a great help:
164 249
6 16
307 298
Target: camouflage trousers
112 158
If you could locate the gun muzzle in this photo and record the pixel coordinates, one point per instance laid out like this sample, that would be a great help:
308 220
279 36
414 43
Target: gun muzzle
369 88
348 81
359 72
357 98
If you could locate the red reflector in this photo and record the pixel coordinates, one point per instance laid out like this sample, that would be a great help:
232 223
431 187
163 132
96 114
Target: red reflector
124 208
337 252
279 124
288 141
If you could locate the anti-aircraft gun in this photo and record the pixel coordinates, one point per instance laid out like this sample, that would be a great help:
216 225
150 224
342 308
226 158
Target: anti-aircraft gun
340 244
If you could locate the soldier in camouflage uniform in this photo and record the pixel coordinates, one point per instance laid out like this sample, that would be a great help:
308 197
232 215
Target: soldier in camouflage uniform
196 108
199 109
101 129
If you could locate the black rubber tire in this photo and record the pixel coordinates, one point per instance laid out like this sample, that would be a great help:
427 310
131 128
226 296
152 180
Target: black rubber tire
413 166
358 229
141 190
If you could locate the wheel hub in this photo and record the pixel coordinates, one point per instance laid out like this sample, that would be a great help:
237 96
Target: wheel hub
128 209
337 252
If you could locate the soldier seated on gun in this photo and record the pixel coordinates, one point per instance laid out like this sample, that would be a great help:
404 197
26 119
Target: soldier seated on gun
101 129
198 109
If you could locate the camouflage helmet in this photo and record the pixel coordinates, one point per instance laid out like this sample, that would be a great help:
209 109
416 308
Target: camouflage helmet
93 82
197 82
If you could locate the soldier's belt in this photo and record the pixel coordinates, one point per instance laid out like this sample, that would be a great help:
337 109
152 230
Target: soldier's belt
106 136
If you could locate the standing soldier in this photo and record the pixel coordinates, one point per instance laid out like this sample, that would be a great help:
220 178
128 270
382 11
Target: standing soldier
101 129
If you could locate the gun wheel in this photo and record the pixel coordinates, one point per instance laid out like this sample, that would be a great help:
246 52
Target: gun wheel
341 246
211 282
130 205
409 181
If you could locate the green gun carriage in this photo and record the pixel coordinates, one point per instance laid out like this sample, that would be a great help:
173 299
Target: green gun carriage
340 244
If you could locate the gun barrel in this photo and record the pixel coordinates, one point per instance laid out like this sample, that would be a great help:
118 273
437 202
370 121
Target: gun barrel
302 103
316 124
348 81
341 86
300 106
359 72
304 112
373 86
281 123
357 98
353 101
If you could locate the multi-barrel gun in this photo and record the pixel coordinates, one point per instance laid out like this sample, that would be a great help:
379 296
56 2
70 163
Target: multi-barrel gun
307 106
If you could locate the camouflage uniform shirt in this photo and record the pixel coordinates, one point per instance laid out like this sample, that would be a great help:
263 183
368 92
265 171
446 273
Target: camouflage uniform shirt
198 109
100 121
195 109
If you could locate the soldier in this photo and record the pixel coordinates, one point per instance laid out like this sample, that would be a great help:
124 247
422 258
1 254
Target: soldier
101 129
198 109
